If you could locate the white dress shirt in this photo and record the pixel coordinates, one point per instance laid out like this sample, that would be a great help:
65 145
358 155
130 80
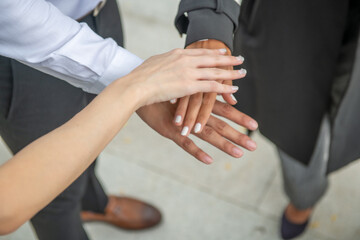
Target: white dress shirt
47 38
75 8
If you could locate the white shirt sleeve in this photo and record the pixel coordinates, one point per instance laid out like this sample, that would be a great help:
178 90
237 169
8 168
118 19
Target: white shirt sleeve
39 35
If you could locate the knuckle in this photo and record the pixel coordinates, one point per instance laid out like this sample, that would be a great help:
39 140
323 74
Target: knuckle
234 74
226 109
186 143
241 119
188 73
214 86
221 126
217 71
177 51
228 146
189 121
206 51
197 98
190 88
198 154
209 99
243 139
217 60
207 132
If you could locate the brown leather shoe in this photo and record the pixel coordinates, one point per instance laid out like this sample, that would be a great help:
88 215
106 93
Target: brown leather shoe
126 213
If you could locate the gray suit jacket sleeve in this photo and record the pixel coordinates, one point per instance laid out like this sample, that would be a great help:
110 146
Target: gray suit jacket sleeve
208 19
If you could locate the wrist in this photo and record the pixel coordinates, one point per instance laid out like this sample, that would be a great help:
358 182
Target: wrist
127 93
137 94
210 44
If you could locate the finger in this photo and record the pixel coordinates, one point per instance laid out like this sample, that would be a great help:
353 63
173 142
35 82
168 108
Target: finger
229 97
181 110
231 134
220 74
217 61
231 113
191 113
210 86
211 136
204 51
189 146
205 111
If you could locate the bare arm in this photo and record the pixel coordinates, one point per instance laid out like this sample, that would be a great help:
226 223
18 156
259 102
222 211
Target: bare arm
38 173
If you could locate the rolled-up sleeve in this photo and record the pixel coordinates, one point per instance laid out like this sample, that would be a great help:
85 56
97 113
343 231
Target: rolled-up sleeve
39 35
208 19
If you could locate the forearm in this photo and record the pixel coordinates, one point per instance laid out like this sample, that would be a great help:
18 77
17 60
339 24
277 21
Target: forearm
38 173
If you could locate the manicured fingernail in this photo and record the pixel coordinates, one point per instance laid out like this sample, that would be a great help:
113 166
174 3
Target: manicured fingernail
234 88
254 124
208 159
197 127
223 50
237 152
242 71
233 98
184 131
173 101
251 144
178 119
240 58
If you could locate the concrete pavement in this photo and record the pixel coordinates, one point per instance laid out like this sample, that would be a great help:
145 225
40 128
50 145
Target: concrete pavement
230 199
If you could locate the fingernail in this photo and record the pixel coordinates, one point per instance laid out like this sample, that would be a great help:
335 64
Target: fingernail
184 131
178 119
242 71
208 159
233 98
173 101
251 144
234 88
237 151
197 127
254 124
240 58
223 50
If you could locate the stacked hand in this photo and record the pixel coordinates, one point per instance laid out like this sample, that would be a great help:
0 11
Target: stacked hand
216 132
183 72
194 111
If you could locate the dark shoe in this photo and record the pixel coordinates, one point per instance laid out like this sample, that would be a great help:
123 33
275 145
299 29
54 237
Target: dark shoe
291 230
126 213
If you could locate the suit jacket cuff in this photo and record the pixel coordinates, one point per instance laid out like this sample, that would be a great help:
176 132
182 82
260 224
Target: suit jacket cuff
206 24
208 19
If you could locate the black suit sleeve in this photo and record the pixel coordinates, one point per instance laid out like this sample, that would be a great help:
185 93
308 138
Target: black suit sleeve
208 19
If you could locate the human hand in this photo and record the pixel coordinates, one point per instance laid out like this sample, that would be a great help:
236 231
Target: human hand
216 132
196 109
182 72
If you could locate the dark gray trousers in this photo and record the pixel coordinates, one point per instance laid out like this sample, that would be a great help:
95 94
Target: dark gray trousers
31 105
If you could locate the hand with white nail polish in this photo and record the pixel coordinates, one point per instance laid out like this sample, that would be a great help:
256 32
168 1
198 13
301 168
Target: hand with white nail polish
194 111
182 72
218 133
